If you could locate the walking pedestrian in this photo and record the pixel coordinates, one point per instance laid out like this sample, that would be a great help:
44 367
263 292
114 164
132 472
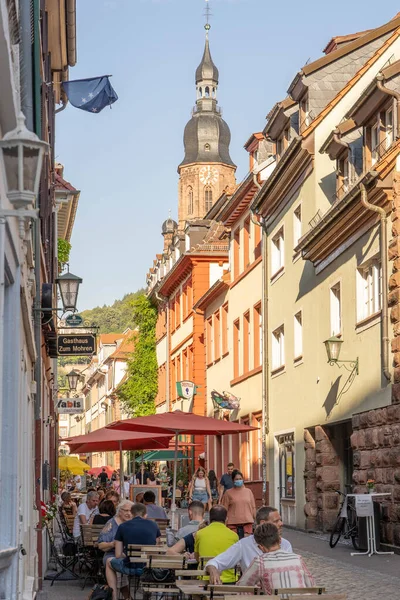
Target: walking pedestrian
241 506
199 488
226 482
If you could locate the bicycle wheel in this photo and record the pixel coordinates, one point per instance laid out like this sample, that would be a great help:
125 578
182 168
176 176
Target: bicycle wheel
352 523
337 531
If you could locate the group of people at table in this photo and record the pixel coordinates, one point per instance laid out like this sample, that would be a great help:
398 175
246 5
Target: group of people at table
236 534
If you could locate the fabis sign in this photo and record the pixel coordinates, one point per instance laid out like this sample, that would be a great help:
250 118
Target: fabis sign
70 406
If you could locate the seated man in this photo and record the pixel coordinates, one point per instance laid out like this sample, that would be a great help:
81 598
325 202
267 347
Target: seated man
139 530
216 538
153 511
86 512
275 568
246 549
196 515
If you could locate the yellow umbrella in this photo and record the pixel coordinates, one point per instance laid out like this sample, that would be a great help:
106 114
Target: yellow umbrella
72 464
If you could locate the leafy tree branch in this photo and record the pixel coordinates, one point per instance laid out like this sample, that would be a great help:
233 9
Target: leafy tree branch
139 391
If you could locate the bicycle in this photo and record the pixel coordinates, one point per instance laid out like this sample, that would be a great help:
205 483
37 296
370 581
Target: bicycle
345 525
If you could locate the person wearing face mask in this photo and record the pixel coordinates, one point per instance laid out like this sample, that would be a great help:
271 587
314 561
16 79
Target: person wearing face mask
241 506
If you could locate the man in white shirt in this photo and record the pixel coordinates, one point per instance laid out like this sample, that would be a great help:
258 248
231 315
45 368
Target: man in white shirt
246 549
86 511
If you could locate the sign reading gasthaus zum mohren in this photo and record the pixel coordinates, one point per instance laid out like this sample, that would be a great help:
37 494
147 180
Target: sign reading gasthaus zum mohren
76 345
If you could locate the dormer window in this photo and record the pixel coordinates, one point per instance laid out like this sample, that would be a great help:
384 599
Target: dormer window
207 147
379 133
304 113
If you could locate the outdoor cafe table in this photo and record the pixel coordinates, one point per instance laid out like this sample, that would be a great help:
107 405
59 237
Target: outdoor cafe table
365 508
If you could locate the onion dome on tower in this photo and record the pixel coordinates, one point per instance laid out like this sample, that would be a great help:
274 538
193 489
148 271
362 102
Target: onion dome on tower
207 135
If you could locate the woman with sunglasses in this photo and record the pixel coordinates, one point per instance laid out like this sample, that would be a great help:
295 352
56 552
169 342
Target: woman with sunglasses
199 488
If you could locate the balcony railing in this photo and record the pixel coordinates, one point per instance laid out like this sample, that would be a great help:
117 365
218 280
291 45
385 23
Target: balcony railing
379 152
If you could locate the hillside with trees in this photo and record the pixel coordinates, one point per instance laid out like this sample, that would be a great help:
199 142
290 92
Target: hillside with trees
114 318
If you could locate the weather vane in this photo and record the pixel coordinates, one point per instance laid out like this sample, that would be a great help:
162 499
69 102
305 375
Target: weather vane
207 14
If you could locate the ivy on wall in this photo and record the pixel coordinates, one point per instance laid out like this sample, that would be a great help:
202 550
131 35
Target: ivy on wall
139 391
63 249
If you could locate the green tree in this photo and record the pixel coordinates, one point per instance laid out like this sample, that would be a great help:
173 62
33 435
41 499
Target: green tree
139 391
115 318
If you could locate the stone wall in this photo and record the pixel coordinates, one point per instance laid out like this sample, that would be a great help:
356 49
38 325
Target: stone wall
376 445
322 478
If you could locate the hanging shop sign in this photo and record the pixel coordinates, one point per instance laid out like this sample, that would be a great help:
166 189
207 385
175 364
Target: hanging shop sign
225 400
76 345
73 321
70 406
186 389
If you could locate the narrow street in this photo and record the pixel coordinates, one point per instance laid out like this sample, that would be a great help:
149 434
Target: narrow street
362 578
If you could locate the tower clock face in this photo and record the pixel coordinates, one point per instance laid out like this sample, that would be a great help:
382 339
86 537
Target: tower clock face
209 175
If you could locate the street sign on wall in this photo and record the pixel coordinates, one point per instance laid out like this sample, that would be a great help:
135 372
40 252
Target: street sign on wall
76 345
70 406
73 321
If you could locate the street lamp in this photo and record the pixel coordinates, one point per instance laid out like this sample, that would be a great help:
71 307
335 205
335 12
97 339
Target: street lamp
333 346
73 378
22 156
68 285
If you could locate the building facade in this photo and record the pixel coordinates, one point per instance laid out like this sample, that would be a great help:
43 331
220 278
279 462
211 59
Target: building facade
28 269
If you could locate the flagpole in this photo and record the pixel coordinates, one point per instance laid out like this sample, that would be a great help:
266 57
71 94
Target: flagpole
173 505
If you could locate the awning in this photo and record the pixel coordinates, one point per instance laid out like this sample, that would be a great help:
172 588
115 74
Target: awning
158 455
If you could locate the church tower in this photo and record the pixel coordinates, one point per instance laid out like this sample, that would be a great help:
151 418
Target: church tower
207 168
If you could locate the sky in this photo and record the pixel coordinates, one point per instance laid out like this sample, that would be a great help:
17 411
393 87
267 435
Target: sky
124 160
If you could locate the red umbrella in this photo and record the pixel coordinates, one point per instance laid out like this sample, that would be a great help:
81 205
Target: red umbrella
178 422
97 470
106 440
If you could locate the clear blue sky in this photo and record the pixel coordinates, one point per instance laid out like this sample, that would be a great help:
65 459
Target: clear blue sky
124 160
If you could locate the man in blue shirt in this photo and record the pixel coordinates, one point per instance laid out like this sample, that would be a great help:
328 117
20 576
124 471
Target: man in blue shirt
140 531
226 482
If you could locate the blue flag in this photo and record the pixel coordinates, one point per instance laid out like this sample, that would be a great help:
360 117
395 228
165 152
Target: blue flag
92 94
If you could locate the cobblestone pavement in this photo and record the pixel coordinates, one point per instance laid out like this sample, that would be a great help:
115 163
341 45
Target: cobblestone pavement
357 582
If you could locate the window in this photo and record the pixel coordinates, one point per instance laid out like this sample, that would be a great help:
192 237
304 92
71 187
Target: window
236 251
246 243
224 329
257 447
207 199
389 127
296 226
374 143
236 348
258 337
336 312
190 201
246 341
207 147
298 335
369 289
245 450
177 310
209 340
257 240
278 348
286 466
217 336
277 252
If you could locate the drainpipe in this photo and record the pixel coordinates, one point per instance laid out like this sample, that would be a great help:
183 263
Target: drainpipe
383 252
167 369
336 138
264 390
26 63
379 84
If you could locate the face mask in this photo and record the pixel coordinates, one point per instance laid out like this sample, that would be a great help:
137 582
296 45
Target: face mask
238 483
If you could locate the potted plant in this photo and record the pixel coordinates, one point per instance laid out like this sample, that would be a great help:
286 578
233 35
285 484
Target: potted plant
371 486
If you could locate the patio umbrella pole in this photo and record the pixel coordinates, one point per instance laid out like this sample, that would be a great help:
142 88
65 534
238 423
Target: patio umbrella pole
121 473
173 505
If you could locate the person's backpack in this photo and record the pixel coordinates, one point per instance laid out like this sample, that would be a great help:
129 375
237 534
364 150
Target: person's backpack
100 592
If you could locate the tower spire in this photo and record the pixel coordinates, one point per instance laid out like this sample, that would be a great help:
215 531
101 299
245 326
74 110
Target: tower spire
207 14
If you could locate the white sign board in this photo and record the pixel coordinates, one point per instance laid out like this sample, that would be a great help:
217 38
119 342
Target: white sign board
70 406
364 506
